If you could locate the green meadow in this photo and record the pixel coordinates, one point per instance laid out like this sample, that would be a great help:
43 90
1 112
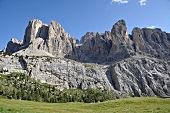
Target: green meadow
125 105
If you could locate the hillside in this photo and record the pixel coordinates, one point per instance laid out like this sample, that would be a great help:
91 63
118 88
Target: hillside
21 86
130 105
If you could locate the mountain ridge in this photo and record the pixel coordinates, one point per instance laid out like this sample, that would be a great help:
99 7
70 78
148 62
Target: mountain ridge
54 40
136 63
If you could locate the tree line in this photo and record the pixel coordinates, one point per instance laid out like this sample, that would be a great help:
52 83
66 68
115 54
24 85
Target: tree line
23 87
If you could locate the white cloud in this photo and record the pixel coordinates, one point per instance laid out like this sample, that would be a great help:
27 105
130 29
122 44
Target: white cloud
142 2
120 1
151 27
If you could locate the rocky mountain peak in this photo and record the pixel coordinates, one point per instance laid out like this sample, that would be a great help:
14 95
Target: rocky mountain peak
120 23
94 47
109 46
119 28
87 36
55 30
44 40
32 31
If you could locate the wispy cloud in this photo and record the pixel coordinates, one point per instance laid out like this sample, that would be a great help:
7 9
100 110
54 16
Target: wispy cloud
119 1
142 2
151 27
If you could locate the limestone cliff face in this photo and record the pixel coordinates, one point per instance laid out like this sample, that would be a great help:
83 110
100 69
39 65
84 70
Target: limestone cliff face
118 44
142 76
44 40
139 75
51 40
35 29
63 73
129 64
95 48
153 42
107 47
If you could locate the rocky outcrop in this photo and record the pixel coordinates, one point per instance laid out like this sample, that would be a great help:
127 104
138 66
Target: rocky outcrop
118 44
87 36
94 48
58 43
153 42
44 40
107 47
142 76
62 73
35 29
121 43
13 46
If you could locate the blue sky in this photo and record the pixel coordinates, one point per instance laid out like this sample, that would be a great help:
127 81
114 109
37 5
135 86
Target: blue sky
80 16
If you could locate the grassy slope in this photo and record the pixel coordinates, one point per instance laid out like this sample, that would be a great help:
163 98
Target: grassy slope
127 105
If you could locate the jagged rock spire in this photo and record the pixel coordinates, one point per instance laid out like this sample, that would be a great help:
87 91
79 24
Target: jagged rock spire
96 47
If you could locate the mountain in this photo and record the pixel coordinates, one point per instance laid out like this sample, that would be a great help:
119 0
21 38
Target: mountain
137 63
43 40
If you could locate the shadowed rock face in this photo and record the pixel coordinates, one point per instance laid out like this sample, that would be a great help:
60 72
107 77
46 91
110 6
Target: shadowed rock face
95 48
13 46
154 42
117 44
130 64
110 46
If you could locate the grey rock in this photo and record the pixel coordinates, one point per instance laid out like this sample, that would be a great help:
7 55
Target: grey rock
110 46
32 31
61 72
121 43
87 36
142 76
44 40
94 49
58 43
138 75
13 46
152 42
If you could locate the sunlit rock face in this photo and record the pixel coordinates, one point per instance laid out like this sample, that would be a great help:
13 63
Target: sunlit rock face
48 40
